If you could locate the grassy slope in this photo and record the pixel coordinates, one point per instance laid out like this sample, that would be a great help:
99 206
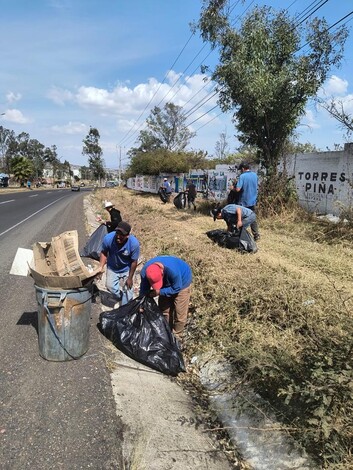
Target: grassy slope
283 316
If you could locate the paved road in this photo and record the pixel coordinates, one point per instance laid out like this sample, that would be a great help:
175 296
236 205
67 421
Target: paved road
54 415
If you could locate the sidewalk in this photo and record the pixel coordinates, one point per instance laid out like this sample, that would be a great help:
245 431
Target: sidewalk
161 430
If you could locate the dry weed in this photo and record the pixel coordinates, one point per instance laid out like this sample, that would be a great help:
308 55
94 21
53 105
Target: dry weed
283 316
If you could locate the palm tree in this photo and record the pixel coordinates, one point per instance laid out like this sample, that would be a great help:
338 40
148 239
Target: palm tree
22 168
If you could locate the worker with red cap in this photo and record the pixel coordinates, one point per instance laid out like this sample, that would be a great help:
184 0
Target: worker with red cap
169 278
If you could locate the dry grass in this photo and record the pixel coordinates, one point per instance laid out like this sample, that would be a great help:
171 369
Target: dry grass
283 316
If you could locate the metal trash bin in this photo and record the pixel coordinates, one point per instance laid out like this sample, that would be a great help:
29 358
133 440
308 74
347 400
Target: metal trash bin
63 322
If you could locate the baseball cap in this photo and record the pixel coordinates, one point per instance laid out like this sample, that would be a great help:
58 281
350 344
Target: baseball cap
165 179
215 212
154 276
124 228
108 204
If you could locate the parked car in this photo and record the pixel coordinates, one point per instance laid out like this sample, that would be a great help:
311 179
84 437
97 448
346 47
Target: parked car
75 187
4 180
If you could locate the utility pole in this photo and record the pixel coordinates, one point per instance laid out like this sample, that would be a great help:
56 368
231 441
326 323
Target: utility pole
120 166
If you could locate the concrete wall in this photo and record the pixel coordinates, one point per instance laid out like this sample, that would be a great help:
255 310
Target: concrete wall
324 180
213 183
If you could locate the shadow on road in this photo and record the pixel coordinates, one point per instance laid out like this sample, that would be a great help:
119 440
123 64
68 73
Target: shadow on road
29 318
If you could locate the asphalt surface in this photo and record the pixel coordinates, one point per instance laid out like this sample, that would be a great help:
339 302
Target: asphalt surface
54 415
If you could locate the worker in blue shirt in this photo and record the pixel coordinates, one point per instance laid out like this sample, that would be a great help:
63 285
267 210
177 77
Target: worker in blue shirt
120 251
247 186
167 189
235 216
169 277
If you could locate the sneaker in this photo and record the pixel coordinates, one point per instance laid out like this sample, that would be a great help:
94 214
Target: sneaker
257 237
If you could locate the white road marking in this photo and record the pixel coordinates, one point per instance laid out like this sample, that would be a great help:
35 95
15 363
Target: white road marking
5 202
34 195
30 216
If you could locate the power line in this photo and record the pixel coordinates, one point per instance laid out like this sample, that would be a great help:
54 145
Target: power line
164 79
303 16
206 123
323 2
204 114
328 29
317 7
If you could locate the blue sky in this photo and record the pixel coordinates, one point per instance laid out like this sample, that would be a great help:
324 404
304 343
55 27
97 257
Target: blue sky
67 65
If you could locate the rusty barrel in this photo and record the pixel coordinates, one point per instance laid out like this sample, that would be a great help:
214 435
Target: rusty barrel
63 323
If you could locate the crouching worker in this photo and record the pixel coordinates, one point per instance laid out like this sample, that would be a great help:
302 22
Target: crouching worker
235 216
169 278
120 251
115 216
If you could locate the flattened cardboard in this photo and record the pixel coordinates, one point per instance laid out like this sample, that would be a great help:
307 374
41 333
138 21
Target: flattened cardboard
57 264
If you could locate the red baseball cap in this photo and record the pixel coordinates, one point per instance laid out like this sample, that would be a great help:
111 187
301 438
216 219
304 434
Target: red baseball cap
154 276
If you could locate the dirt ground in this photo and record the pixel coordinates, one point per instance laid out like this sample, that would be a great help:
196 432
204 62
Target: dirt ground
162 428
249 306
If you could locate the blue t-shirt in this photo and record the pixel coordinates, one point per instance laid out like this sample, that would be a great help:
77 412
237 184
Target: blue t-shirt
121 257
177 275
248 183
167 187
231 209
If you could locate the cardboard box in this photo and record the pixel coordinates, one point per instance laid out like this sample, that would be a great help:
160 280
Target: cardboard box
57 264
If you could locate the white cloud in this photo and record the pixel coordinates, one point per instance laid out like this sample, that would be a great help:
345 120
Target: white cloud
14 115
126 102
309 120
59 96
347 103
71 128
11 97
335 86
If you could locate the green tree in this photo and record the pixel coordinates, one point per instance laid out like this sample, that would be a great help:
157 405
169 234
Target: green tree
85 172
35 152
94 152
6 137
166 161
22 168
264 75
12 150
292 146
52 160
166 130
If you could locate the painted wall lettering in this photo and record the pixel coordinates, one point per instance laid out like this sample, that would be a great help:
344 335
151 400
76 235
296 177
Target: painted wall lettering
320 188
321 176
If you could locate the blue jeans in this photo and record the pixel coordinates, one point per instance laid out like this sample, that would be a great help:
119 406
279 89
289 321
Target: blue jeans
231 219
116 284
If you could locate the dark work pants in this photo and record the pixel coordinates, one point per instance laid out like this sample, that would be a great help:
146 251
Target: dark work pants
254 227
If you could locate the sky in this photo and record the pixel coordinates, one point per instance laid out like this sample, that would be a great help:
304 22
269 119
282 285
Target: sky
67 65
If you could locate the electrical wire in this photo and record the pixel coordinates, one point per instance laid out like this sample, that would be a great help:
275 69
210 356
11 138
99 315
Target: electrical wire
163 81
303 16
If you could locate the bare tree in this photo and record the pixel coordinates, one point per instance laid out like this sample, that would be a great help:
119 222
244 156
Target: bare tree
337 109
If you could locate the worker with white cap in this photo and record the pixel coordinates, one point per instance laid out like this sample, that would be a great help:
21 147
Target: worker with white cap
167 189
115 216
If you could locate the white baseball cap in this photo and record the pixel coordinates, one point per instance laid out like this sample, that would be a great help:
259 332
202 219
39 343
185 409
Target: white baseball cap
108 204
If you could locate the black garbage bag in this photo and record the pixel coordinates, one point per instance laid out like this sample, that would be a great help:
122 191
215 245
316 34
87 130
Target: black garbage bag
163 195
247 241
92 249
180 201
218 236
240 240
144 336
